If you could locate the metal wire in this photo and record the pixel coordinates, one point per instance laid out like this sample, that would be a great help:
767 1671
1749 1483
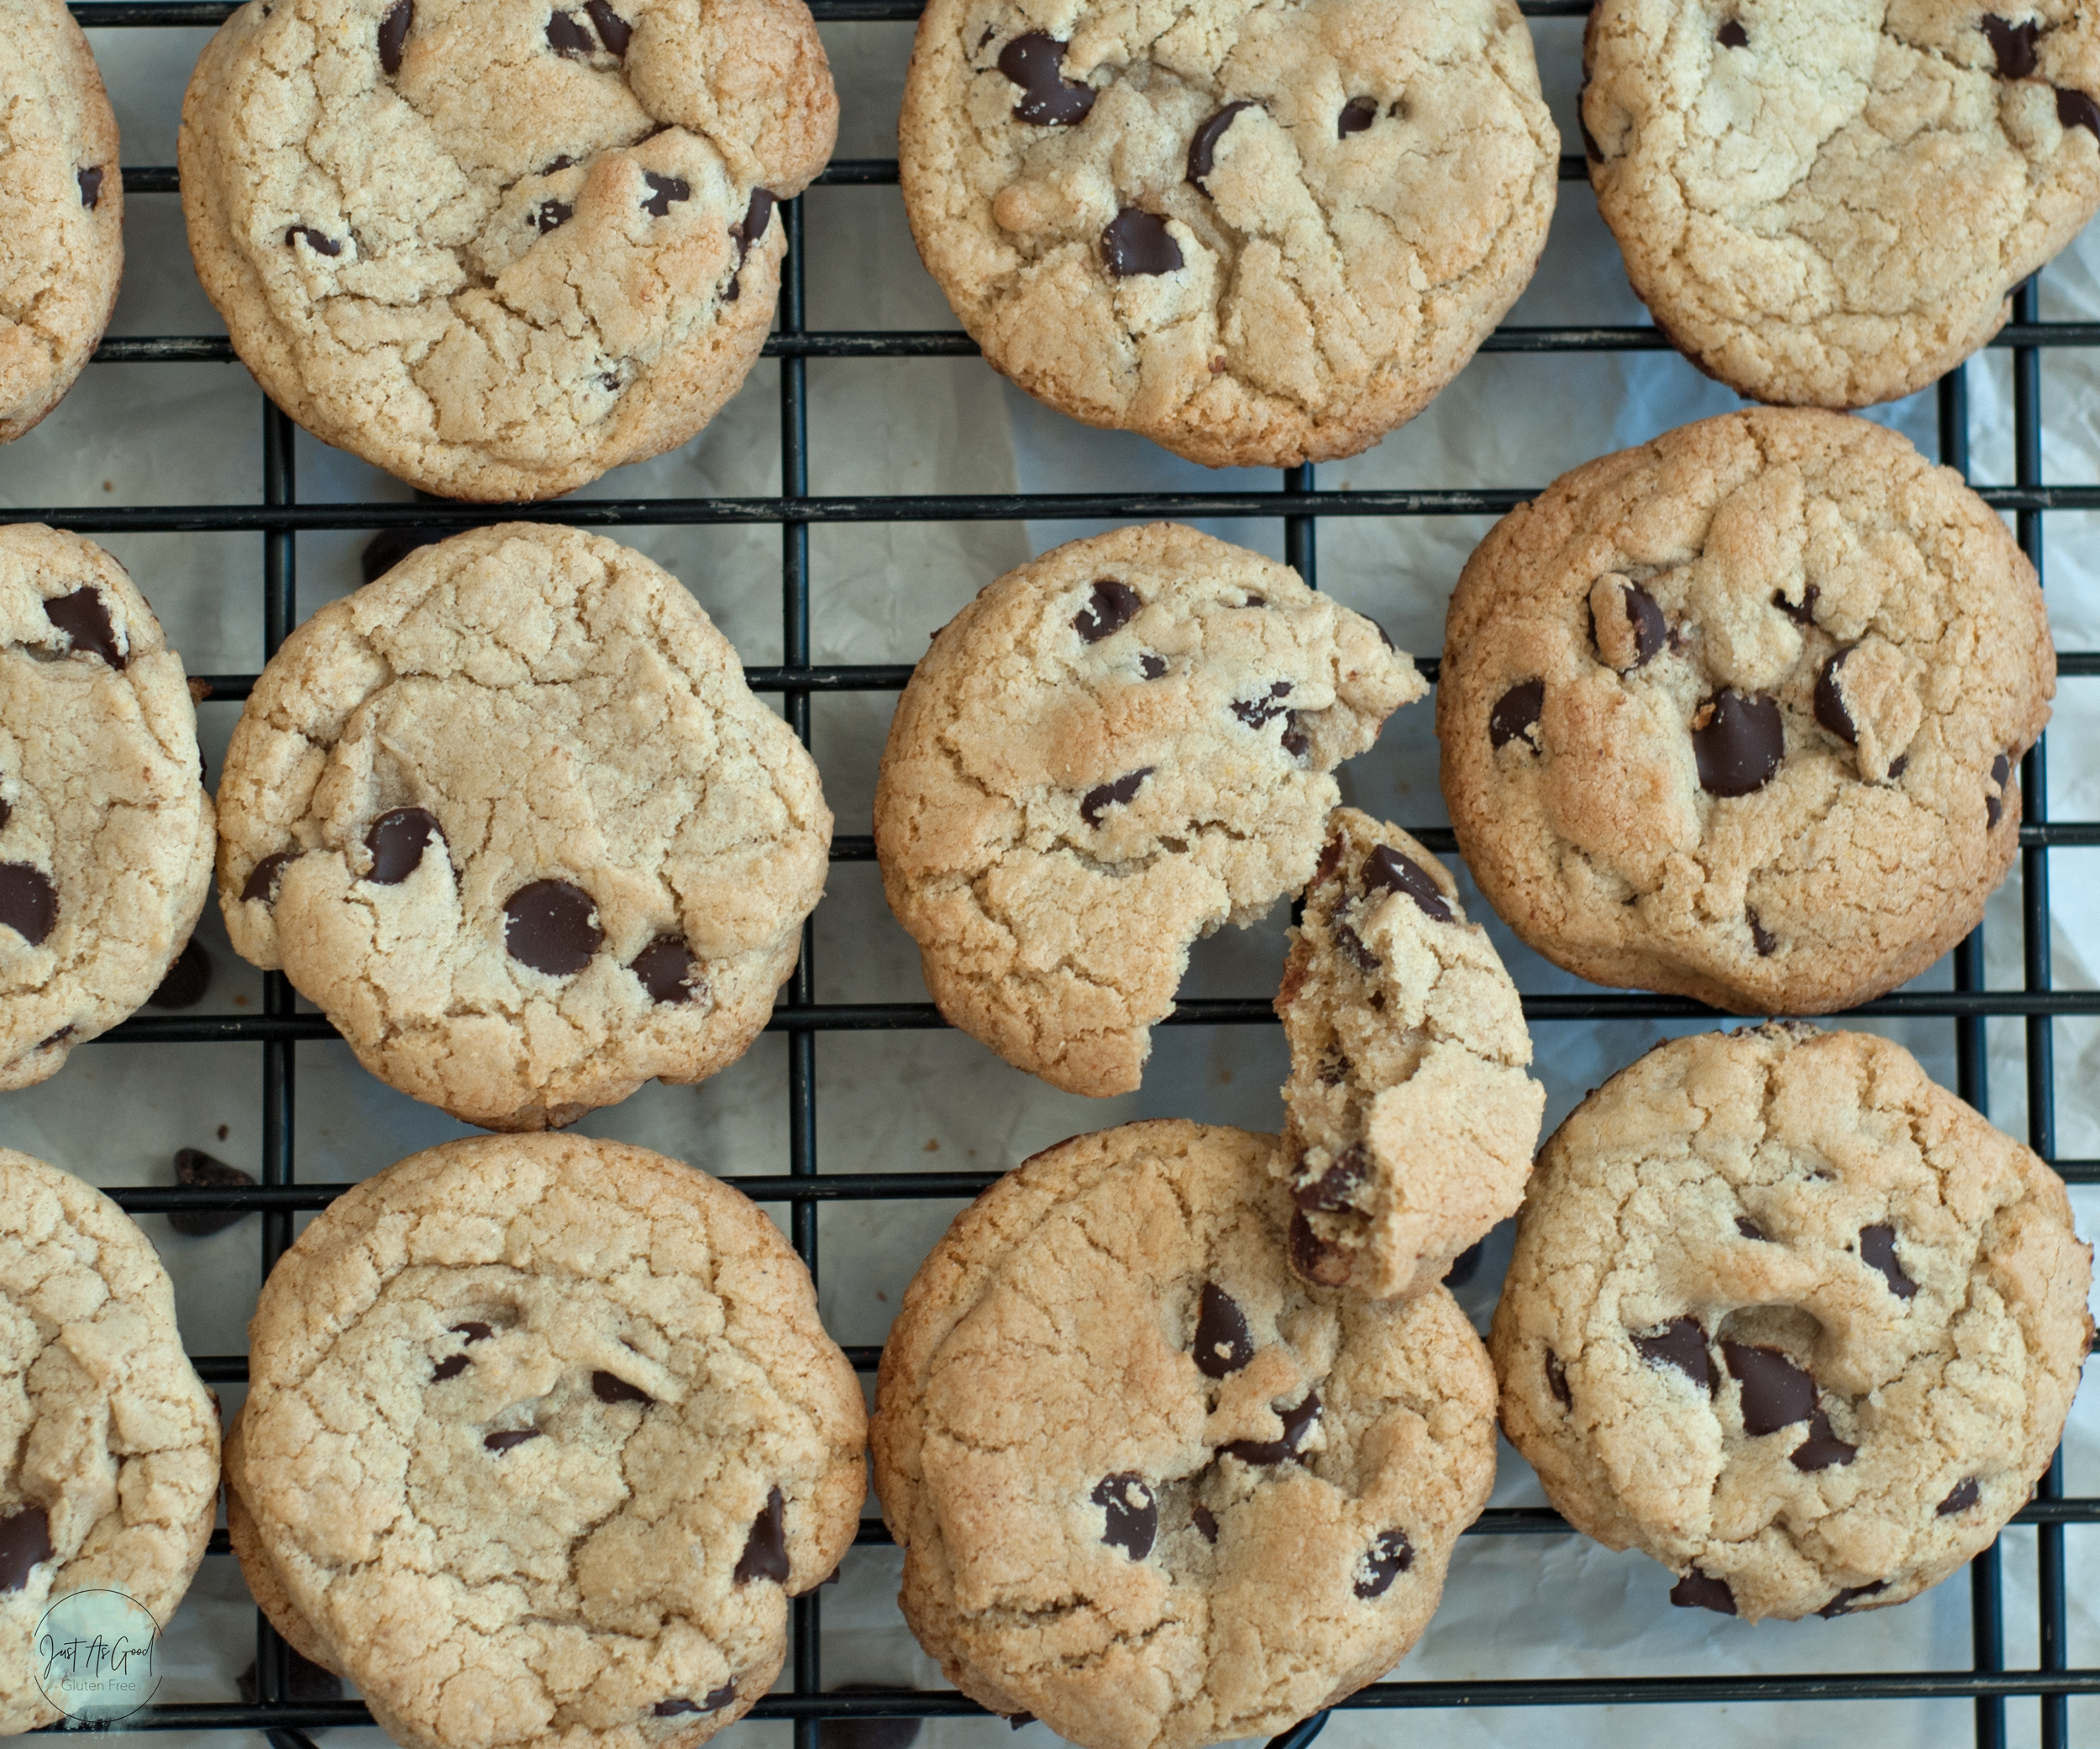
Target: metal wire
1299 503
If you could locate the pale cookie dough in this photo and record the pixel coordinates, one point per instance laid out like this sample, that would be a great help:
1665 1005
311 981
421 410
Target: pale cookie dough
541 1433
1110 752
1412 1121
105 830
1738 714
1792 1319
511 815
112 1475
1263 232
1151 1489
498 248
1827 204
61 210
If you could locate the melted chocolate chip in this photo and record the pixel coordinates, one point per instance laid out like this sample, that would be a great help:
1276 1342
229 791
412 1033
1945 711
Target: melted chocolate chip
1297 1422
550 925
1256 713
758 214
1331 854
1036 63
674 1707
717 1699
1515 712
611 1387
29 902
567 35
199 1171
1644 614
1804 614
1829 701
1682 1344
1294 741
1761 938
1822 1449
1119 793
550 213
1387 1558
613 30
26 1540
765 1555
393 34
318 241
449 1367
1151 666
1334 1068
2074 109
262 878
1316 1259
90 187
1386 870
2012 44
1351 944
1205 1521
663 191
1776 1393
560 161
1203 146
1557 1380
509 1438
1897 766
473 1332
1749 1228
1222 1343
1356 115
187 979
1133 1515
1334 1189
1255 601
1738 739
1137 243
1732 35
397 840
1994 806
1697 1591
668 972
1965 1496
1111 606
1877 1249
1841 1604
84 616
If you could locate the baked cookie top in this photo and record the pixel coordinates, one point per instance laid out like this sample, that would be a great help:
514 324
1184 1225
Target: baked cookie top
1412 1121
541 1433
105 830
113 1471
1791 1319
1827 205
1111 751
1151 1489
511 817
1260 232
61 210
494 247
1737 714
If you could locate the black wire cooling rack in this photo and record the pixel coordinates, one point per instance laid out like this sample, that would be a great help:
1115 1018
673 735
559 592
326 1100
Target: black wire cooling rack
1299 504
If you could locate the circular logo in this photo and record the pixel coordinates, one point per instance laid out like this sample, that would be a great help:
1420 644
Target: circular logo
95 1656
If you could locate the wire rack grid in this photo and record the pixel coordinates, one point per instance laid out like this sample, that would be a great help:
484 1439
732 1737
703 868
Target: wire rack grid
1299 504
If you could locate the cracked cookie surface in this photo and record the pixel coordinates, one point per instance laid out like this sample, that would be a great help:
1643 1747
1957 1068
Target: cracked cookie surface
1830 205
1113 750
511 815
61 210
1792 1319
106 831
1739 714
1259 233
1412 1121
112 1479
496 247
1151 1489
542 1434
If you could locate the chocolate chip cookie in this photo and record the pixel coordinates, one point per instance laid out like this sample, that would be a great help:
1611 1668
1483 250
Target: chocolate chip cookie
1261 234
541 1435
511 815
1412 1121
1738 714
1111 751
1151 1489
1792 1319
61 210
1827 207
105 829
496 247
111 1480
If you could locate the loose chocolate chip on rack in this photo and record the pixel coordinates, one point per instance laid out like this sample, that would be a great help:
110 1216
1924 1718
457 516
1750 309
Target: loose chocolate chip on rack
1557 1380
567 35
1121 792
1841 1604
1222 1343
1681 1343
1761 938
2074 109
1297 1422
1334 1189
29 902
509 1438
1829 701
1698 1591
1750 1229
1316 1259
1203 146
1205 1521
613 30
663 191
1776 1393
90 187
262 878
1964 1495
187 979
1387 1558
26 1540
1877 1250
1132 1513
449 1367
1256 713
550 213
318 241
397 840
1994 806
1137 243
1036 63
1515 714
1732 35
1738 739
765 1555
393 34
1356 115
84 616
611 1387
757 213
1112 605
1386 870
668 971
2012 44
550 925
1822 1449
196 1170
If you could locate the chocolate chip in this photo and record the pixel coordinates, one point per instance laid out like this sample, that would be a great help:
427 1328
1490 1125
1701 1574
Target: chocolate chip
717 1699
2074 109
673 1708
550 925
397 840
1804 614
1351 944
1222 1343
1297 1422
1387 1558
84 616
663 191
726 1695
1749 1228
318 241
1203 146
1732 35
187 979
567 35
1696 1591
765 1555
613 30
550 213
262 878
1317 1260
1386 870
449 1367
29 902
1965 1496
1897 766
1118 793
58 1037
1557 1380
1994 806
1133 1515
1829 701
1256 714
1205 1521
1761 938
1738 739
90 187
509 1437
390 546
26 1540
1334 1189
198 1170
1356 115
1877 1249
757 213
1036 63
1644 617
2012 44
473 1332
1776 1393
1682 1344
1294 741
1255 601
1151 666
393 34
560 161
668 971
1330 855
1515 712
1016 1720
1822 1449
1841 1604
1111 606
611 1387
1137 243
